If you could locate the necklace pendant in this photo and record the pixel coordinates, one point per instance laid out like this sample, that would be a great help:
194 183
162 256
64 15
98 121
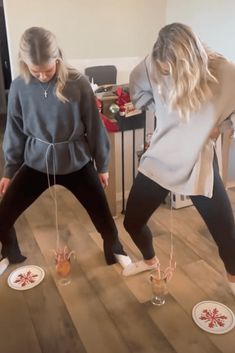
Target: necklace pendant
45 90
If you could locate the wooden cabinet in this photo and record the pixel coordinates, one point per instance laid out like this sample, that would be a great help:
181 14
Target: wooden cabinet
124 160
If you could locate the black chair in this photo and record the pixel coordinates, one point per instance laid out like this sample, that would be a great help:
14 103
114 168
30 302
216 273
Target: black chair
102 75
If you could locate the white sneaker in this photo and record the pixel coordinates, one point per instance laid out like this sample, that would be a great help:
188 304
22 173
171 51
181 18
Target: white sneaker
137 267
4 263
123 260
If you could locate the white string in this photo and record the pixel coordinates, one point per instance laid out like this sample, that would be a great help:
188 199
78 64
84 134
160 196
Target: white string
53 195
172 266
171 231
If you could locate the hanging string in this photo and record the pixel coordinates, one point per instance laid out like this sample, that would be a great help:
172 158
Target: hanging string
53 196
171 231
168 272
50 146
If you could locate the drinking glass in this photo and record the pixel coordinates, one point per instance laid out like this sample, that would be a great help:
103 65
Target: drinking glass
63 270
158 283
63 265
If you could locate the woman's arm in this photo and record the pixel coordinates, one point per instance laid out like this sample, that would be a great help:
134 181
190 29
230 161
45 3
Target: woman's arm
95 131
226 125
140 87
14 137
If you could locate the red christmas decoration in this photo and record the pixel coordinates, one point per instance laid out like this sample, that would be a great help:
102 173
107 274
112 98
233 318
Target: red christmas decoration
123 97
110 125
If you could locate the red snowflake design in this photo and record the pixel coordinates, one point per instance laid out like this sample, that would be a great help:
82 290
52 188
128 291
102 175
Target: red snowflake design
25 278
213 318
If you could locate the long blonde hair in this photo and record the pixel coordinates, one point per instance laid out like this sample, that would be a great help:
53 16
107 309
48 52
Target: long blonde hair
38 46
191 67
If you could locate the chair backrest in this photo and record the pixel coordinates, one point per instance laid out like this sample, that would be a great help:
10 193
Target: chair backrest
102 75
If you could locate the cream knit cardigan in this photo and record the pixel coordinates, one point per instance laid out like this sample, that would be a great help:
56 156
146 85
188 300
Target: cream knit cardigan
180 155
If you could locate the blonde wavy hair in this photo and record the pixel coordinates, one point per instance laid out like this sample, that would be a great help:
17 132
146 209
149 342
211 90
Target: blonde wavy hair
191 67
38 46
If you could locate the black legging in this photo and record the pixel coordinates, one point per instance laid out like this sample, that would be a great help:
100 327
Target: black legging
146 196
28 184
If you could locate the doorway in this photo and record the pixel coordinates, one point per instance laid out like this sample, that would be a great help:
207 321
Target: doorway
5 69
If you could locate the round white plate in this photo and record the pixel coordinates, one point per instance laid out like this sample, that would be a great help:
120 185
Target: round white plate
213 317
26 277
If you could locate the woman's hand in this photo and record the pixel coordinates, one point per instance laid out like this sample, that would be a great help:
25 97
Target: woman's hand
4 183
215 133
104 177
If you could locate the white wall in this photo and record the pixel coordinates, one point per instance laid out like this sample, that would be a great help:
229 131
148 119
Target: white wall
124 65
213 20
88 29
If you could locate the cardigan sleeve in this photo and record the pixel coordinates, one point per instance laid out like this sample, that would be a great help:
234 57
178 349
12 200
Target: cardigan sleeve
227 124
140 87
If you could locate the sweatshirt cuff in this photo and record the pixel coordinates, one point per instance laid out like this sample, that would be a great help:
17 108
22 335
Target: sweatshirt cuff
102 168
9 171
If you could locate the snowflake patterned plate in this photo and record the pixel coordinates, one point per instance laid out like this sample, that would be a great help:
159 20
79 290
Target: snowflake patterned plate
213 317
26 277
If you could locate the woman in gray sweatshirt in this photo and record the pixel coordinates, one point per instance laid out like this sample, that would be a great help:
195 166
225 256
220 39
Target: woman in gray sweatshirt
54 135
191 90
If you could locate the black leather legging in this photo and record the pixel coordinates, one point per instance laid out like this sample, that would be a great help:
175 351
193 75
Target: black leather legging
28 185
146 196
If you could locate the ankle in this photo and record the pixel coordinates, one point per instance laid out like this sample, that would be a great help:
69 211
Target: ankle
152 261
231 278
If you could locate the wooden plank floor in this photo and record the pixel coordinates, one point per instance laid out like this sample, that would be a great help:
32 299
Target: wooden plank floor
101 311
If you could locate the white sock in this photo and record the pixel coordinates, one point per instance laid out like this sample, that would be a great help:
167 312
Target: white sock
123 260
232 287
4 263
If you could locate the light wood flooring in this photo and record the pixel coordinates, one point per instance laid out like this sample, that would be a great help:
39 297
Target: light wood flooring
101 311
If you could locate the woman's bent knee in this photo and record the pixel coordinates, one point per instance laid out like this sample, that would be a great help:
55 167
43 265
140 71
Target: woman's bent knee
129 225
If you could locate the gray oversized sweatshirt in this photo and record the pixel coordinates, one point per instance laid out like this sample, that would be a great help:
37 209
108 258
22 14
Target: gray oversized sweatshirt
180 155
41 130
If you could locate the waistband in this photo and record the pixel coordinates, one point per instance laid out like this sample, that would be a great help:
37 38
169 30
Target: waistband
51 143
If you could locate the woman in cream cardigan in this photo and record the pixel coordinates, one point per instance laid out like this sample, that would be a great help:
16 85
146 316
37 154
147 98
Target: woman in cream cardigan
191 91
